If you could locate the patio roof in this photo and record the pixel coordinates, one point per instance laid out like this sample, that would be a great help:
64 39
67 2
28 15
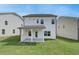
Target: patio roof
32 27
40 15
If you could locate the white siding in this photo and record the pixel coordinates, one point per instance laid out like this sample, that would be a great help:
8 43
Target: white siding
47 22
24 35
13 22
70 28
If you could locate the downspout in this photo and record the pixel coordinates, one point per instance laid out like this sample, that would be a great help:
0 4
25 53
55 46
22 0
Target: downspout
56 26
77 29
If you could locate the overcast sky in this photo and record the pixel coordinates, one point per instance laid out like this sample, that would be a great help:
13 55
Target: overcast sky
24 9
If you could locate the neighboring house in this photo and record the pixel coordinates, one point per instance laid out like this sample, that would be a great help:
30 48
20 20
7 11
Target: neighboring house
68 27
37 27
9 21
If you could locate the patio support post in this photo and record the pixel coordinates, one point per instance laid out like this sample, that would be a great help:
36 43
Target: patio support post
20 34
31 35
43 35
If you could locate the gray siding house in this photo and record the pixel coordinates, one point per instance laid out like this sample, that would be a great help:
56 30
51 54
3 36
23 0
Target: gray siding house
68 27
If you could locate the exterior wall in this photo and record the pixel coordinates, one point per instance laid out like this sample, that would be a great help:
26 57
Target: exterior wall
13 22
47 22
67 27
78 23
24 35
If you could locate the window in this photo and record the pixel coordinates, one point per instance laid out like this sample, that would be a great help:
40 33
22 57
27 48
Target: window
3 31
13 31
63 26
36 34
37 20
6 22
52 21
29 33
47 33
42 21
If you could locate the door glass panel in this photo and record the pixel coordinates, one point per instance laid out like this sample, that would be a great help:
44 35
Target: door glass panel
36 34
29 33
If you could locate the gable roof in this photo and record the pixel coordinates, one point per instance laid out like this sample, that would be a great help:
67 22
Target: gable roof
40 15
2 13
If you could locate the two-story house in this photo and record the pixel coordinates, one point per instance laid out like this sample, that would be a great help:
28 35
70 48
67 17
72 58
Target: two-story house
37 27
9 21
68 27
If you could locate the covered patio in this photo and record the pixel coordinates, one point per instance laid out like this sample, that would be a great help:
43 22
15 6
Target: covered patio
32 33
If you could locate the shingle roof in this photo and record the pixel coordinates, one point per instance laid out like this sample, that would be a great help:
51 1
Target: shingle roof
70 17
40 15
32 27
2 13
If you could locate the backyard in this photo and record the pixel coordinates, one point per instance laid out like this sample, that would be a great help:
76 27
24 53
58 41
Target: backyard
60 46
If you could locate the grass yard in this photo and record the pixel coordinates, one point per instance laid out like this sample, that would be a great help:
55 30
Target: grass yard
60 46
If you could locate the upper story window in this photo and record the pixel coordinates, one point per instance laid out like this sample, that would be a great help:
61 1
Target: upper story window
37 20
6 22
52 21
42 21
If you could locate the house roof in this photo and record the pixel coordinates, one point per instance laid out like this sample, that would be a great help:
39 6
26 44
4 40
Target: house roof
2 13
68 17
32 27
40 15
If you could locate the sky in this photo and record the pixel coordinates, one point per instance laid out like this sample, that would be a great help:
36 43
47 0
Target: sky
57 9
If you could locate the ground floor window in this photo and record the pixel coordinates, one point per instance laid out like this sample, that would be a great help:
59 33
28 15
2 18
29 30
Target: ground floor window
47 33
3 31
36 34
29 33
13 31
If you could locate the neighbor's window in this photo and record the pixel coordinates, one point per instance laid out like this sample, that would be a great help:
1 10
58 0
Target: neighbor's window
29 33
3 31
13 31
42 21
6 22
47 33
63 26
52 21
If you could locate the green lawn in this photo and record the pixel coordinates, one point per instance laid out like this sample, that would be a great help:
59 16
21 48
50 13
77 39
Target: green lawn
60 46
